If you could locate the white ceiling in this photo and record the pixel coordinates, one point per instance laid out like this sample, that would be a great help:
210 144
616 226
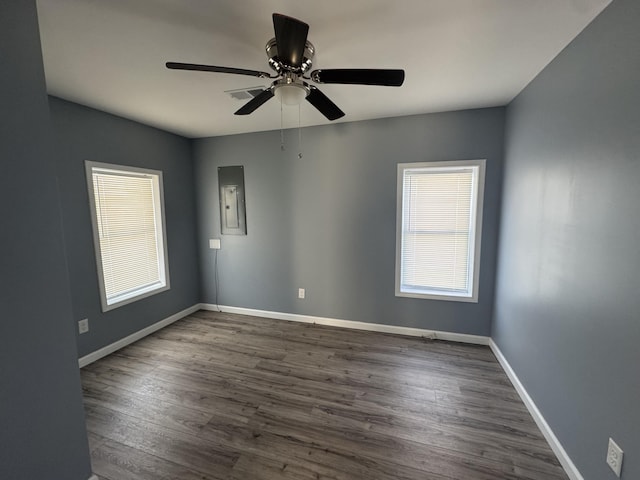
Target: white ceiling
457 54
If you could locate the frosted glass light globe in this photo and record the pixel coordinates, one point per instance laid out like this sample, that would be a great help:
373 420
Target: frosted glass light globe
290 94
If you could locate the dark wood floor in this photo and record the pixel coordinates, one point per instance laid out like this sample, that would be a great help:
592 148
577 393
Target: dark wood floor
221 396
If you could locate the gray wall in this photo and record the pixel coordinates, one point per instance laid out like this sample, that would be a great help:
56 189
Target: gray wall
86 134
327 222
42 433
567 304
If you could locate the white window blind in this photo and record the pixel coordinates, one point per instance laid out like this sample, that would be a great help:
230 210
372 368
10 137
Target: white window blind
129 232
438 230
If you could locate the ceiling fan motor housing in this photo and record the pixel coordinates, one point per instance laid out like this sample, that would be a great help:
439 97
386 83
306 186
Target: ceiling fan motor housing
281 67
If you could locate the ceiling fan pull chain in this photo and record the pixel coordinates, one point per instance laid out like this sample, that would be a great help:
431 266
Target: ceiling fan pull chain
281 129
299 135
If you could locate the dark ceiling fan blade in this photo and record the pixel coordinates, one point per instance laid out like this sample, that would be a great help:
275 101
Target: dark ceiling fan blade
323 104
253 104
359 76
213 68
291 38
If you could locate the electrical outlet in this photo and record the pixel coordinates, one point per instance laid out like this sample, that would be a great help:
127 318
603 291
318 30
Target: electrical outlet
614 457
214 243
83 325
301 293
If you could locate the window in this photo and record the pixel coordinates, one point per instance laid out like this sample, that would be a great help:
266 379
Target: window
439 223
129 233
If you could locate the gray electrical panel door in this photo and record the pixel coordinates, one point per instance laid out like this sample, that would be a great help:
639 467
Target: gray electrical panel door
232 207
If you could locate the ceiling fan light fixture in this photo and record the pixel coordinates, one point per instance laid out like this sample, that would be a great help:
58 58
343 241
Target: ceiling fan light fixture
290 55
290 93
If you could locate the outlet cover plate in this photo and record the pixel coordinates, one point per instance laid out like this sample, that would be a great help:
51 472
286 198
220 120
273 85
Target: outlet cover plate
301 293
614 457
214 243
83 325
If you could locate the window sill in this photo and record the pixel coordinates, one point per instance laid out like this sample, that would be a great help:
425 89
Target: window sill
450 297
110 304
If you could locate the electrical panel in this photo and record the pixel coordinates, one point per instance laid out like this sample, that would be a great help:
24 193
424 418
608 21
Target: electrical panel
233 219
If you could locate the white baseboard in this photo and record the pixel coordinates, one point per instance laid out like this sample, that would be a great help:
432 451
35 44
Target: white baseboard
104 351
569 467
335 322
373 327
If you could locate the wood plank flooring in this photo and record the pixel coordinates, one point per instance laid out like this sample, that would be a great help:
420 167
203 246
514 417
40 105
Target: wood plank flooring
231 397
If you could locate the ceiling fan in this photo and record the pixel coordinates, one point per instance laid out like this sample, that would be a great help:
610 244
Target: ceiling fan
290 55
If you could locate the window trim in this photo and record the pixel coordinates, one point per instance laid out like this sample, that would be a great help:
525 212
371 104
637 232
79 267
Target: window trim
478 199
150 290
